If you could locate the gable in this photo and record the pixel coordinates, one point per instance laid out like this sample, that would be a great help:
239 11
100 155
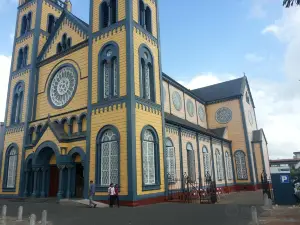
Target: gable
74 29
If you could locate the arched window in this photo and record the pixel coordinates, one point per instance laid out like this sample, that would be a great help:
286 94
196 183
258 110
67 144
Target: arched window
51 23
108 157
148 19
241 168
30 135
28 27
191 162
109 72
147 83
25 57
228 166
206 161
82 123
150 160
113 5
38 131
104 14
20 59
24 24
170 161
11 163
141 13
73 126
59 48
17 104
220 172
64 45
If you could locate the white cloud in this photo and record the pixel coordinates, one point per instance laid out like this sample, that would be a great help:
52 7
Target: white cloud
254 58
5 69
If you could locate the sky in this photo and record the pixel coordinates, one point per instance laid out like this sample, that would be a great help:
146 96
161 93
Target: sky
204 43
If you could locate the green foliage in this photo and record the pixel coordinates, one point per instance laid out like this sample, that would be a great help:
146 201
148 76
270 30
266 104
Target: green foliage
289 3
295 173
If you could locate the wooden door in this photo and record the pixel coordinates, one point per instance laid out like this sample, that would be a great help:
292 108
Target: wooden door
54 180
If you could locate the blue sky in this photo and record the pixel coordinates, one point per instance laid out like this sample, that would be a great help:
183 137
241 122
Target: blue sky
206 42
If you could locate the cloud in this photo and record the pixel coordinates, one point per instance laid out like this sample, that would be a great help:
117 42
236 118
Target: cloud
5 69
254 58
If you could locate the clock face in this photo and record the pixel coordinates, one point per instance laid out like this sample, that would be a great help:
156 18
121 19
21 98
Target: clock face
190 108
176 98
62 86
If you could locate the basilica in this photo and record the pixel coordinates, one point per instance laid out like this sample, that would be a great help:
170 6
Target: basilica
91 102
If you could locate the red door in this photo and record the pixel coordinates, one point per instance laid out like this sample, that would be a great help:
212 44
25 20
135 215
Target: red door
54 179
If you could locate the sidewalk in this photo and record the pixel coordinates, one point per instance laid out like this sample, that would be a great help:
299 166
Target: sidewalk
282 215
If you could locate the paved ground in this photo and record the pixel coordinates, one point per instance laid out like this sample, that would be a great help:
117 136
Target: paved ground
231 213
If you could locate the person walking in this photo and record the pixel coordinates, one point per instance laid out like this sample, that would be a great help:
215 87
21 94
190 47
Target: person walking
91 194
117 195
111 193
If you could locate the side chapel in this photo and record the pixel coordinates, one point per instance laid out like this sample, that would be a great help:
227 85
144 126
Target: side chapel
90 102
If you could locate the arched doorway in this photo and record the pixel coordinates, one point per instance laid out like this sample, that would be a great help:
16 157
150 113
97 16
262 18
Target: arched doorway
53 177
29 178
79 176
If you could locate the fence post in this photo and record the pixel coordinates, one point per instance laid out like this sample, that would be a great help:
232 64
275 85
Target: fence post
32 220
20 213
4 210
254 215
44 217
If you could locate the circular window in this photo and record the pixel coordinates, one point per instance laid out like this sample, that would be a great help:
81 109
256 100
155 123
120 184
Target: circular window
62 87
176 98
190 107
250 117
201 113
223 115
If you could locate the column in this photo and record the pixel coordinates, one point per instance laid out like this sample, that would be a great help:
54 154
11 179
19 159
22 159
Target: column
43 192
35 173
26 183
60 191
69 167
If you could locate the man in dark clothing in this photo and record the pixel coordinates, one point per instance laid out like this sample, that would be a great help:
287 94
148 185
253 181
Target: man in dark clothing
91 194
117 195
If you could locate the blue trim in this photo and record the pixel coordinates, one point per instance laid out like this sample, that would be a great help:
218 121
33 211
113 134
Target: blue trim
31 89
46 144
99 187
156 186
7 155
50 81
181 159
246 139
131 118
102 57
79 151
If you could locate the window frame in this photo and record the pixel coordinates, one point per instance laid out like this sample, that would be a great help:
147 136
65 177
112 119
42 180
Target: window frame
220 168
206 152
192 179
99 186
17 103
6 165
174 180
245 164
110 14
157 184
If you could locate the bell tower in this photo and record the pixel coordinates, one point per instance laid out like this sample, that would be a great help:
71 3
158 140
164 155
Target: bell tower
125 93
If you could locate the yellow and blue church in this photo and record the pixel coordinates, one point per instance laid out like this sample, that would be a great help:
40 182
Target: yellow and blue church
90 102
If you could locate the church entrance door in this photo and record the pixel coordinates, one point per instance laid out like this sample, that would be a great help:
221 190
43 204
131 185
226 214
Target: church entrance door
54 181
79 181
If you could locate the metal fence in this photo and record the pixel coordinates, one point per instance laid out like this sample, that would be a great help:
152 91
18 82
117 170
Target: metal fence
187 190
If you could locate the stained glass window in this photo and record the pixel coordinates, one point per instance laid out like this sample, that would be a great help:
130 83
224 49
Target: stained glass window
206 161
220 172
147 82
115 76
191 162
170 161
148 158
241 168
12 168
228 166
109 158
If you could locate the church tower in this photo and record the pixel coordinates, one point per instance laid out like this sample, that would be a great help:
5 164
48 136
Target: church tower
35 22
125 97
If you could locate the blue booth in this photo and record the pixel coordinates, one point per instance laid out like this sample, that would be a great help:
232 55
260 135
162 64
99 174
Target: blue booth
283 189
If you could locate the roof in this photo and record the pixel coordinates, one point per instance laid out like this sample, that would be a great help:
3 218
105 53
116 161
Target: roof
228 89
258 135
188 125
219 131
284 161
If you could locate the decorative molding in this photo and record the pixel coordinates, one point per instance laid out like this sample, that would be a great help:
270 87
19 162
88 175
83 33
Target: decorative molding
147 105
14 128
187 133
109 32
24 37
108 107
145 34
25 5
203 138
171 129
216 141
21 72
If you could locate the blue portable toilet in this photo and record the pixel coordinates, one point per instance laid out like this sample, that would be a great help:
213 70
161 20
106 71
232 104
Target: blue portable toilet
283 189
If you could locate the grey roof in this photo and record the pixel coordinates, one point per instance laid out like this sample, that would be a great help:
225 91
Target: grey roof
219 131
221 91
258 135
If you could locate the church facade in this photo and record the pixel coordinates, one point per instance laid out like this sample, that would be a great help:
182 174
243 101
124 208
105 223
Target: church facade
90 102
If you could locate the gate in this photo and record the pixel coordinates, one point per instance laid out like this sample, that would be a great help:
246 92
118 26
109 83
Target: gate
187 190
266 186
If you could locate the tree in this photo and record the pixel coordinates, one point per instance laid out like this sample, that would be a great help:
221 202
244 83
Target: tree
288 3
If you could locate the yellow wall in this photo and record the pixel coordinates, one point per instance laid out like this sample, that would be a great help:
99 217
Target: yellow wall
152 6
235 127
24 77
79 60
139 39
117 118
16 138
29 8
46 10
96 12
118 36
66 27
155 121
42 41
